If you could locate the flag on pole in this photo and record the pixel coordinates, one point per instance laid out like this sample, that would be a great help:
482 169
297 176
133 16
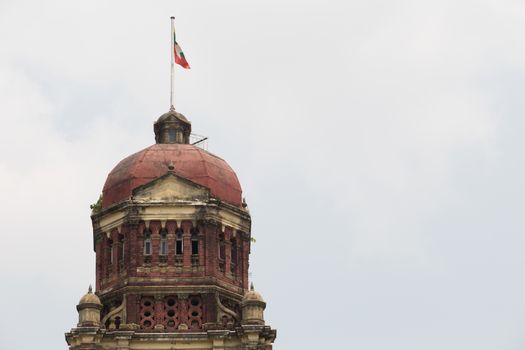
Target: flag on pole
178 54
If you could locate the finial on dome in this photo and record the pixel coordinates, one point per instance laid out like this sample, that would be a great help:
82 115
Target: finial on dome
90 289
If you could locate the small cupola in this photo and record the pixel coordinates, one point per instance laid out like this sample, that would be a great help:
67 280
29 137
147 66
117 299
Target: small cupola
172 127
89 308
253 306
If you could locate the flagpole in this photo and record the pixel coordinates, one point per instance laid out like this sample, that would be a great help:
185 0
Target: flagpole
172 80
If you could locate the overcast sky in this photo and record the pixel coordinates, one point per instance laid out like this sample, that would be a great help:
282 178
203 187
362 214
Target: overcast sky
379 144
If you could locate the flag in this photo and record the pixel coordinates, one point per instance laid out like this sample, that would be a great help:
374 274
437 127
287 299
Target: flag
179 55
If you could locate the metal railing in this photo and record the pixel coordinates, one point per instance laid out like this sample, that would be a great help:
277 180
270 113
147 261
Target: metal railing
199 141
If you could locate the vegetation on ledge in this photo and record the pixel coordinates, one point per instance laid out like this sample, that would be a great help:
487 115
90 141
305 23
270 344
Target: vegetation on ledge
97 206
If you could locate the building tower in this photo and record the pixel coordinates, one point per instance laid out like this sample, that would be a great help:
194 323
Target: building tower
172 242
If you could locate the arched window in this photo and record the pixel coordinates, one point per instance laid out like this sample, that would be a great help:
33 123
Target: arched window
172 134
110 251
222 248
118 321
163 243
147 242
194 242
222 252
233 262
179 246
122 247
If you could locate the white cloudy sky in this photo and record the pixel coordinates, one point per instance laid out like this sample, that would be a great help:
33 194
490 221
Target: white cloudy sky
379 144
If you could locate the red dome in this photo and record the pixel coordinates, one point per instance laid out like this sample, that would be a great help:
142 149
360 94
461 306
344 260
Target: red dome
189 161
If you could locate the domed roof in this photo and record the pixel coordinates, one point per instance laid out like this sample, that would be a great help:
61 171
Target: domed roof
89 298
252 295
173 115
189 161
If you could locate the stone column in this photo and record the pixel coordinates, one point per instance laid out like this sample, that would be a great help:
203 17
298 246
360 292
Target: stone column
115 245
171 227
132 309
139 253
212 249
104 257
99 264
202 261
130 258
238 260
245 252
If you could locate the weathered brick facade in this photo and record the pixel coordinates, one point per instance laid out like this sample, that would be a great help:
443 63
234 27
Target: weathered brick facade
172 255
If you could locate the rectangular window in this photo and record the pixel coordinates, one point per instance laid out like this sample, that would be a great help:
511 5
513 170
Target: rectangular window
122 250
194 247
233 256
234 253
178 248
172 135
147 247
222 251
163 247
121 247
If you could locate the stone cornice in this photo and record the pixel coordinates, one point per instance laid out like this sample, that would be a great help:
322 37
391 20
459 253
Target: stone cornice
172 289
133 211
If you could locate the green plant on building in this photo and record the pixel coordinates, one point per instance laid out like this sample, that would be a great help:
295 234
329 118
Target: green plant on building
97 206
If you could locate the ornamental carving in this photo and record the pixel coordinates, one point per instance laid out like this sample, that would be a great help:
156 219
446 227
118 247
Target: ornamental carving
172 313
